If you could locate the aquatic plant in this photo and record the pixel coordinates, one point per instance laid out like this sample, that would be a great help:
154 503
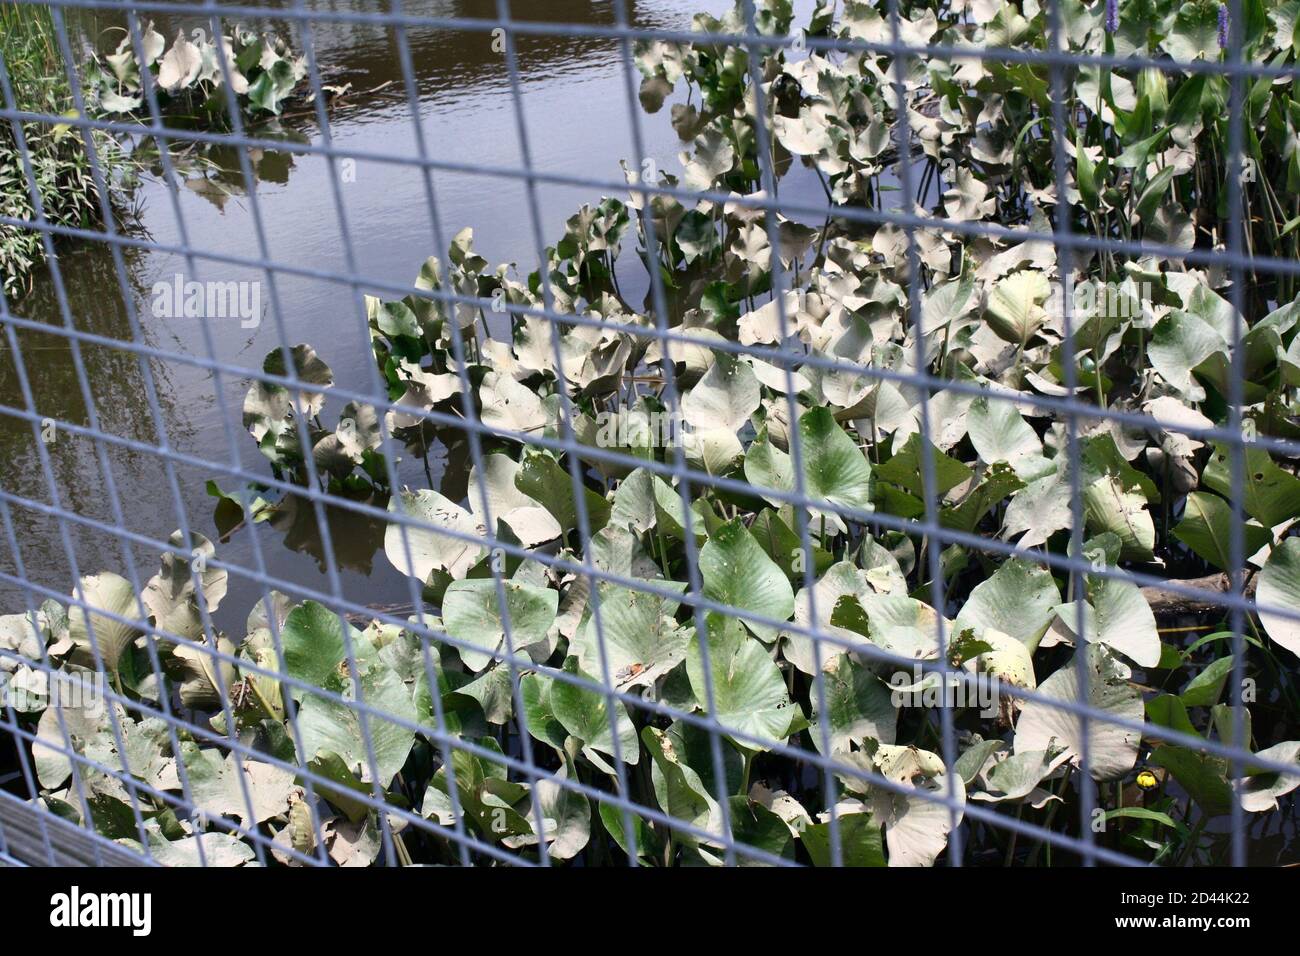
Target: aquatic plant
777 328
262 71
992 315
57 154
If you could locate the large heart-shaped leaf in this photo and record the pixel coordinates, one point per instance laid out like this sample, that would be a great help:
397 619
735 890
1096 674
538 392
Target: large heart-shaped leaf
1260 790
839 580
541 478
510 406
531 523
1279 587
214 782
472 613
431 549
1110 505
329 726
497 807
1015 307
1008 659
1016 599
1180 343
1206 528
1270 494
1039 510
999 433
906 470
171 596
737 572
748 692
642 640
1115 614
916 825
859 706
180 66
566 814
584 713
314 645
679 791
111 593
834 469
725 397
308 368
1017 776
1195 32
1112 749
861 841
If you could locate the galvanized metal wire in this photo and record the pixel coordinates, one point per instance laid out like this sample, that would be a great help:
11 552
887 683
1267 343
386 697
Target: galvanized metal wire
28 835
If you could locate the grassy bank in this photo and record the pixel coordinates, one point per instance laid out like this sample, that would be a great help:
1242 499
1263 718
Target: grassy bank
62 169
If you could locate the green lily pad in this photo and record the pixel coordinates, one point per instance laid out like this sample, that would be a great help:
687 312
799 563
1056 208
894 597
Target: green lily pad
584 713
737 572
748 692
472 613
1206 528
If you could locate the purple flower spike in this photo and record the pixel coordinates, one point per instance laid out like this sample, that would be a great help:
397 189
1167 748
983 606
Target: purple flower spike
1112 21
1223 26
1112 16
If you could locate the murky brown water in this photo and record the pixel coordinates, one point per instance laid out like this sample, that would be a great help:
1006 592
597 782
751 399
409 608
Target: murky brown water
575 106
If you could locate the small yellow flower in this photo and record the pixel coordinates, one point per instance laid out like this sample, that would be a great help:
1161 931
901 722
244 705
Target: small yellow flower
1146 780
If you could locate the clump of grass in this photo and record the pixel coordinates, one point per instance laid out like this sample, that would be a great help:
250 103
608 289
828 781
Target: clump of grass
58 155
28 29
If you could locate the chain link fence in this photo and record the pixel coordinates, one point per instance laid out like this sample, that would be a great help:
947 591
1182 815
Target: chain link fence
906 478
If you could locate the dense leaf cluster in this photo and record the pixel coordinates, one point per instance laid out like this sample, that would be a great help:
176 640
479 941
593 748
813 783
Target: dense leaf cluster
819 470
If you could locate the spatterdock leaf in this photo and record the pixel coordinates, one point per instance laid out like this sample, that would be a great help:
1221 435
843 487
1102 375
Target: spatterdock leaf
1269 494
329 726
737 572
1015 309
1112 749
748 693
1109 504
584 713
106 594
439 538
1260 791
313 643
859 706
1017 599
472 613
834 468
1206 528
641 640
725 397
1279 588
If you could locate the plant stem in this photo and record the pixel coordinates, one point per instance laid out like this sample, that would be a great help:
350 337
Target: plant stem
1047 824
403 855
1192 839
744 775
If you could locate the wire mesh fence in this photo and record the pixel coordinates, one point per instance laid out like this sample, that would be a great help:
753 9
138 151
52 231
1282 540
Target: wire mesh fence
899 471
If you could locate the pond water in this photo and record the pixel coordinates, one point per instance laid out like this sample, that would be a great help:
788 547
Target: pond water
577 119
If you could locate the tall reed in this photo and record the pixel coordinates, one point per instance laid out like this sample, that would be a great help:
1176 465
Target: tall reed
39 80
28 42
